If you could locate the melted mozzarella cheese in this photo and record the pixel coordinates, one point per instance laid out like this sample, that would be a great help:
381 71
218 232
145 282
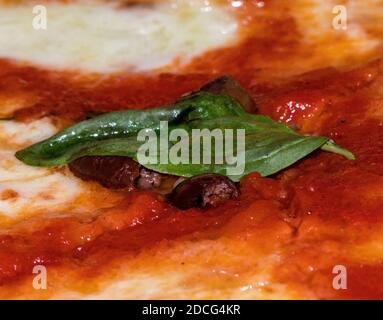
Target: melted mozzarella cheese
27 191
102 38
30 190
53 191
19 134
14 136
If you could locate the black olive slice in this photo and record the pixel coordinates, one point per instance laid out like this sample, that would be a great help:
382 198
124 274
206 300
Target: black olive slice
207 190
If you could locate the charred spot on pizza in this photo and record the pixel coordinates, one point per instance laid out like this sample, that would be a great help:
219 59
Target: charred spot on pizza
207 190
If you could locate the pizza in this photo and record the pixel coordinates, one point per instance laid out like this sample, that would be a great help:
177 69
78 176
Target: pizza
82 218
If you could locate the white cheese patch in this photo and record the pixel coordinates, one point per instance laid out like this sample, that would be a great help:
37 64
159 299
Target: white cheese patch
98 37
19 133
11 169
25 189
46 194
15 136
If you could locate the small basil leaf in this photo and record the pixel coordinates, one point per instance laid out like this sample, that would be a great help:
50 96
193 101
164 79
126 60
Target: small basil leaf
266 152
53 151
60 148
270 146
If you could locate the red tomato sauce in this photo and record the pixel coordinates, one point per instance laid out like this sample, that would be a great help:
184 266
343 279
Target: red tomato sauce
137 223
331 204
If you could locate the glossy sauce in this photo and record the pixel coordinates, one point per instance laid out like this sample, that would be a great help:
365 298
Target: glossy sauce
320 213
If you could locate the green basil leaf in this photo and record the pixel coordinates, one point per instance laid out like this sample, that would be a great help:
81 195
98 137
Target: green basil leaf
59 149
54 151
270 146
266 152
268 149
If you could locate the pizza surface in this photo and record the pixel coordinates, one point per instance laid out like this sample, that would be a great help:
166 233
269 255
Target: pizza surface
285 234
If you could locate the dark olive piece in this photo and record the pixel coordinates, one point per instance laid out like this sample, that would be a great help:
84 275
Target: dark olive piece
110 171
207 190
116 172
